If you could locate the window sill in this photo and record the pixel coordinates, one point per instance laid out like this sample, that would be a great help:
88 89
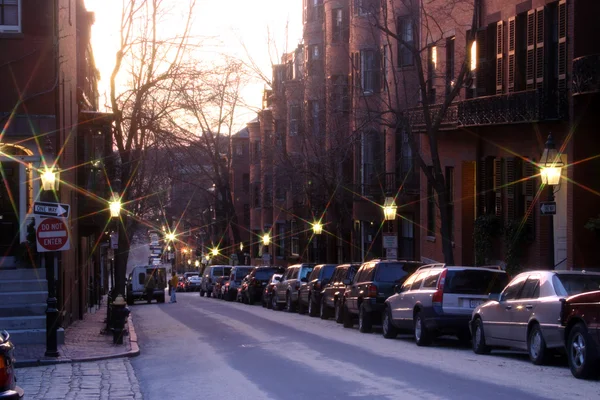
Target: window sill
11 35
430 239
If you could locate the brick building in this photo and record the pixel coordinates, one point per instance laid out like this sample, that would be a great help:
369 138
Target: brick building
48 110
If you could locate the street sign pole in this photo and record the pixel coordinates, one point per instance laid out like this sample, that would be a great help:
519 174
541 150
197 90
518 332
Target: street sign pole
51 308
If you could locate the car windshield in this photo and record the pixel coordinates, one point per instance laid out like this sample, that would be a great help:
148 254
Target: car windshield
475 281
304 272
572 284
264 274
390 272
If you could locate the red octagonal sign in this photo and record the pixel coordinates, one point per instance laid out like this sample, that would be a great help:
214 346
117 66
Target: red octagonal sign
52 235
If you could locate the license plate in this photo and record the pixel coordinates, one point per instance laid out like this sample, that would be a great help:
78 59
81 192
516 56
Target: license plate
264 283
475 303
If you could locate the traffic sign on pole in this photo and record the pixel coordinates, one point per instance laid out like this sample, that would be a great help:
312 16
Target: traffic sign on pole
52 234
548 207
46 209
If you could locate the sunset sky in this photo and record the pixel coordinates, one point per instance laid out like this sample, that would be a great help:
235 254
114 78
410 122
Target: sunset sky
232 21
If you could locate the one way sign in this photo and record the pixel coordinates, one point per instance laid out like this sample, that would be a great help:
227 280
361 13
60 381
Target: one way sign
51 209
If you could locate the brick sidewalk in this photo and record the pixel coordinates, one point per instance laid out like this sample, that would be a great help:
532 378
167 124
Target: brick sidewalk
85 340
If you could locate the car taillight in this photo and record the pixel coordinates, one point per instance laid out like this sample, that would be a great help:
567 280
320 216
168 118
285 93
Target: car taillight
4 378
438 296
317 285
372 291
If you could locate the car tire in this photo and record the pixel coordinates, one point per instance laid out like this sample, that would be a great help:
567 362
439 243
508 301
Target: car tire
347 318
324 312
249 300
582 353
201 293
289 306
478 342
268 302
312 308
388 329
365 324
274 303
536 346
421 333
208 294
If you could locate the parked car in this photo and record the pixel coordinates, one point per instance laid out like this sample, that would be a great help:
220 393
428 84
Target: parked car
372 285
180 284
439 299
136 283
257 281
236 275
209 278
193 283
286 290
581 320
527 314
220 287
8 380
309 294
269 289
332 297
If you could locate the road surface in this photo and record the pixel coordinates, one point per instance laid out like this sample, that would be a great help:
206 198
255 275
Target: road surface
208 348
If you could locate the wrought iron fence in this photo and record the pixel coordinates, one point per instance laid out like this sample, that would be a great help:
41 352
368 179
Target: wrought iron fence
586 74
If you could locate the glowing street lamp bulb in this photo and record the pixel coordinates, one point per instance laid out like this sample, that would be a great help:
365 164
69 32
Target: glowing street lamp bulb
389 209
551 175
266 239
170 236
115 208
215 252
189 262
197 263
48 178
317 228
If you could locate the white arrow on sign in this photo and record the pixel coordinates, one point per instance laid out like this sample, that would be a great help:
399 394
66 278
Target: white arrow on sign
548 208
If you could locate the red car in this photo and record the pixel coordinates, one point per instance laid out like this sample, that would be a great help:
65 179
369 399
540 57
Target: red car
8 381
581 319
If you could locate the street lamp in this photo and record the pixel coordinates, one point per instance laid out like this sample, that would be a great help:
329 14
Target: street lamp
197 263
215 252
170 236
241 246
189 262
389 209
317 228
266 239
551 168
115 206
50 177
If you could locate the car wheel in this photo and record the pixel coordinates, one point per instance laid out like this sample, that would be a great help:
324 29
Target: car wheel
388 328
536 346
479 346
289 307
347 318
323 311
208 294
201 293
582 353
339 312
312 309
365 325
422 335
274 303
249 300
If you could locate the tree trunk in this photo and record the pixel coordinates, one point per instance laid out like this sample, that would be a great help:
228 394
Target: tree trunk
121 256
446 229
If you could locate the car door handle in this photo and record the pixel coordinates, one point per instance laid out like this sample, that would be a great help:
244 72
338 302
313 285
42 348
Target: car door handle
509 307
529 306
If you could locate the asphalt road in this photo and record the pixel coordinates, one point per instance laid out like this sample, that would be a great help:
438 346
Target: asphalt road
204 348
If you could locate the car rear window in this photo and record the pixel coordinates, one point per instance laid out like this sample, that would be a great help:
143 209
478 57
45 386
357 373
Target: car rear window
241 273
264 274
473 281
328 271
571 284
391 272
305 272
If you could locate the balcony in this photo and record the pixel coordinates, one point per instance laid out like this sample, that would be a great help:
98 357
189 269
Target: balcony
511 108
586 75
407 183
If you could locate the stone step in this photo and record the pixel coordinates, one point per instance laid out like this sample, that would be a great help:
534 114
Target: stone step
14 298
29 285
22 274
23 310
34 336
20 323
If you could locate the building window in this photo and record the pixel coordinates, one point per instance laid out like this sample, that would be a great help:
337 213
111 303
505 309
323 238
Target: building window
314 59
246 215
280 249
369 71
364 7
406 33
10 15
295 240
256 195
450 61
256 152
314 117
294 120
246 183
431 68
313 10
239 149
430 207
337 33
450 195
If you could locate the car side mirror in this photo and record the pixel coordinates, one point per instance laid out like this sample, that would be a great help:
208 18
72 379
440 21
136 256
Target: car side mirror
397 288
495 297
346 282
325 282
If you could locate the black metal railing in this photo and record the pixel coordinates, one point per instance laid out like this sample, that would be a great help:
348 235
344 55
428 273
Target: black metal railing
415 117
586 74
406 183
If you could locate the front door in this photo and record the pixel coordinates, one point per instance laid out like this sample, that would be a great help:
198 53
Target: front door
9 208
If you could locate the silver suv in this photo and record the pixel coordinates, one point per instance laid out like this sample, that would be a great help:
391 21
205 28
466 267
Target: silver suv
439 299
285 291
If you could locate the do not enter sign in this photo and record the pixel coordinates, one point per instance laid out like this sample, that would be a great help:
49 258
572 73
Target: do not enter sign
52 234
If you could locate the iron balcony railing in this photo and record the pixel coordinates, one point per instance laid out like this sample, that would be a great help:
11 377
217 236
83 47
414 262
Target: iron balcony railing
586 74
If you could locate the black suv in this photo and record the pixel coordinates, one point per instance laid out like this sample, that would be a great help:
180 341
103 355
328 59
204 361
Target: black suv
332 297
257 280
8 380
372 285
309 294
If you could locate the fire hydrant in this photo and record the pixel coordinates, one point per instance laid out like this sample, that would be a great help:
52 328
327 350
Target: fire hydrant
119 314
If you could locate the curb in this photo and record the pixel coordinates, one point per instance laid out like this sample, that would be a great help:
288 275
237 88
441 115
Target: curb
134 352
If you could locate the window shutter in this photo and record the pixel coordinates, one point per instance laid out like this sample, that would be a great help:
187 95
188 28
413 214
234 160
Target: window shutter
562 44
498 186
357 82
530 61
500 57
481 187
540 37
511 53
376 70
305 12
510 189
528 196
482 68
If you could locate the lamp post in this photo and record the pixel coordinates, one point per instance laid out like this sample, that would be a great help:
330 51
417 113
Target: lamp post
266 239
389 215
114 206
50 182
550 171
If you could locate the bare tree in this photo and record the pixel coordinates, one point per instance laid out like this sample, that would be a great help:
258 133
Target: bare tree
151 64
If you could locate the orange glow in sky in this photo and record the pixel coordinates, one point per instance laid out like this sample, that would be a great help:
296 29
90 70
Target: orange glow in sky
230 21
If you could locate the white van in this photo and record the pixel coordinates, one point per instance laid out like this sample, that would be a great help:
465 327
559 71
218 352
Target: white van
136 282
